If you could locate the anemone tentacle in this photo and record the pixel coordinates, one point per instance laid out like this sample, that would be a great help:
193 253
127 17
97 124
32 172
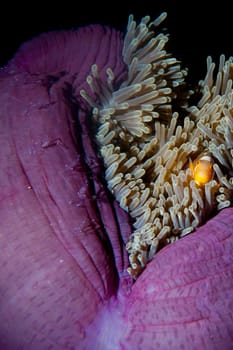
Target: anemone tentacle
147 146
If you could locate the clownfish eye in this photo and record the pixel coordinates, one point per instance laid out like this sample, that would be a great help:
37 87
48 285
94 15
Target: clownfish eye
202 170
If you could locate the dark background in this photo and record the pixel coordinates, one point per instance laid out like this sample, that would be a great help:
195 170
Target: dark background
195 31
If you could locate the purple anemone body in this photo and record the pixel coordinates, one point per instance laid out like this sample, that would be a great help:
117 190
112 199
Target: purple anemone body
63 281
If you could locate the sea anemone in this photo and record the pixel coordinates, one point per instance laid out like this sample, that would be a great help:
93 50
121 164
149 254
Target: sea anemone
168 164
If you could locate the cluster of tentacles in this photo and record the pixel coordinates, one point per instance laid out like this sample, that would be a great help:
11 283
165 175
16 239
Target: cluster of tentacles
153 143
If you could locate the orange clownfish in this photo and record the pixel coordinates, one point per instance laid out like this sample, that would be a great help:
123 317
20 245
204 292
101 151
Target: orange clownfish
202 170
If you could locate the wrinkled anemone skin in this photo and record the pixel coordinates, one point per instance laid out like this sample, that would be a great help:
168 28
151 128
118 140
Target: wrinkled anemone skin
64 283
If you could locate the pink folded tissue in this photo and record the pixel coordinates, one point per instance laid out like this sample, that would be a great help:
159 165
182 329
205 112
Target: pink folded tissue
116 192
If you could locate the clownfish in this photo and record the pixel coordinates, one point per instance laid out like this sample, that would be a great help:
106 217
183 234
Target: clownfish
202 170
